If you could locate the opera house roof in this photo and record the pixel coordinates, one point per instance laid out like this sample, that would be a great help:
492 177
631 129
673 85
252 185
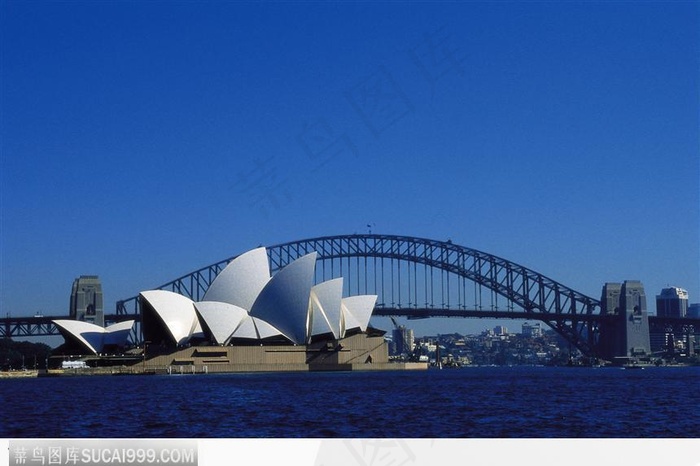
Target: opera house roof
245 303
93 337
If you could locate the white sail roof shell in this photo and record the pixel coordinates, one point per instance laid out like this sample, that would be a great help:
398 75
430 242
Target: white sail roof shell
264 329
246 329
198 332
90 335
93 337
348 322
252 328
118 334
326 298
221 319
176 312
284 301
244 301
242 280
357 311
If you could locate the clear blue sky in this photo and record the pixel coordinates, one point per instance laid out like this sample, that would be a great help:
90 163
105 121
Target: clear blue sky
143 140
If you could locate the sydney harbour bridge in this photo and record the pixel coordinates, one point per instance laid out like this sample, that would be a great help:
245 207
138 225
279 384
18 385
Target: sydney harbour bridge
415 278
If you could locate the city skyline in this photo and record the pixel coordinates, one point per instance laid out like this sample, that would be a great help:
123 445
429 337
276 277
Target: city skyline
144 141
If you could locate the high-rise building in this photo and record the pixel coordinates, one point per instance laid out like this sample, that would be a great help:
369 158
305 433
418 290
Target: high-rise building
627 334
633 303
609 330
86 300
610 299
672 302
403 338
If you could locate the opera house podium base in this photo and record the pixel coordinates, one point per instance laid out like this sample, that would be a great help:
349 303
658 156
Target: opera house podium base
357 352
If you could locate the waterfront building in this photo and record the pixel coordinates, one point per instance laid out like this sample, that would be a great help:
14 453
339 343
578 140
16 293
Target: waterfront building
429 347
249 320
245 304
626 335
404 339
633 303
610 299
86 300
532 330
672 302
678 344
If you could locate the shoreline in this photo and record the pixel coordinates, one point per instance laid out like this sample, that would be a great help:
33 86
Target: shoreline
267 369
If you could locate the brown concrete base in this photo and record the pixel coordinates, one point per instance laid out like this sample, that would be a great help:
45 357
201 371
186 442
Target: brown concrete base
357 352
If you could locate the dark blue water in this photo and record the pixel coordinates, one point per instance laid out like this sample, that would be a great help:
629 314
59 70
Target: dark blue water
530 402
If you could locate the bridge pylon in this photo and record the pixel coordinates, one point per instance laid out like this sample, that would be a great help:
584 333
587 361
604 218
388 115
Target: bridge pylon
624 335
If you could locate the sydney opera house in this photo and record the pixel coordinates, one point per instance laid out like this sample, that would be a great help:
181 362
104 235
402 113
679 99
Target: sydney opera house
251 320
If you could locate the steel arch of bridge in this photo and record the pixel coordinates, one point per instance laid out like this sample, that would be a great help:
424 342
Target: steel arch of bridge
528 294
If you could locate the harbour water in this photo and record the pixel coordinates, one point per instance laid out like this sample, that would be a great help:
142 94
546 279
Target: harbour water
481 402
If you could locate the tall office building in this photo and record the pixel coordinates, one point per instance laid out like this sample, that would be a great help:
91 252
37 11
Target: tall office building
633 302
672 302
86 300
609 344
610 298
403 338
627 334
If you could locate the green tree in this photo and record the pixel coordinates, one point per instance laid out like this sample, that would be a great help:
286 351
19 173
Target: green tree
13 354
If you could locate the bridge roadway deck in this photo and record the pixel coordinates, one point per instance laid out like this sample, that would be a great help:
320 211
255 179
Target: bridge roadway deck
38 326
